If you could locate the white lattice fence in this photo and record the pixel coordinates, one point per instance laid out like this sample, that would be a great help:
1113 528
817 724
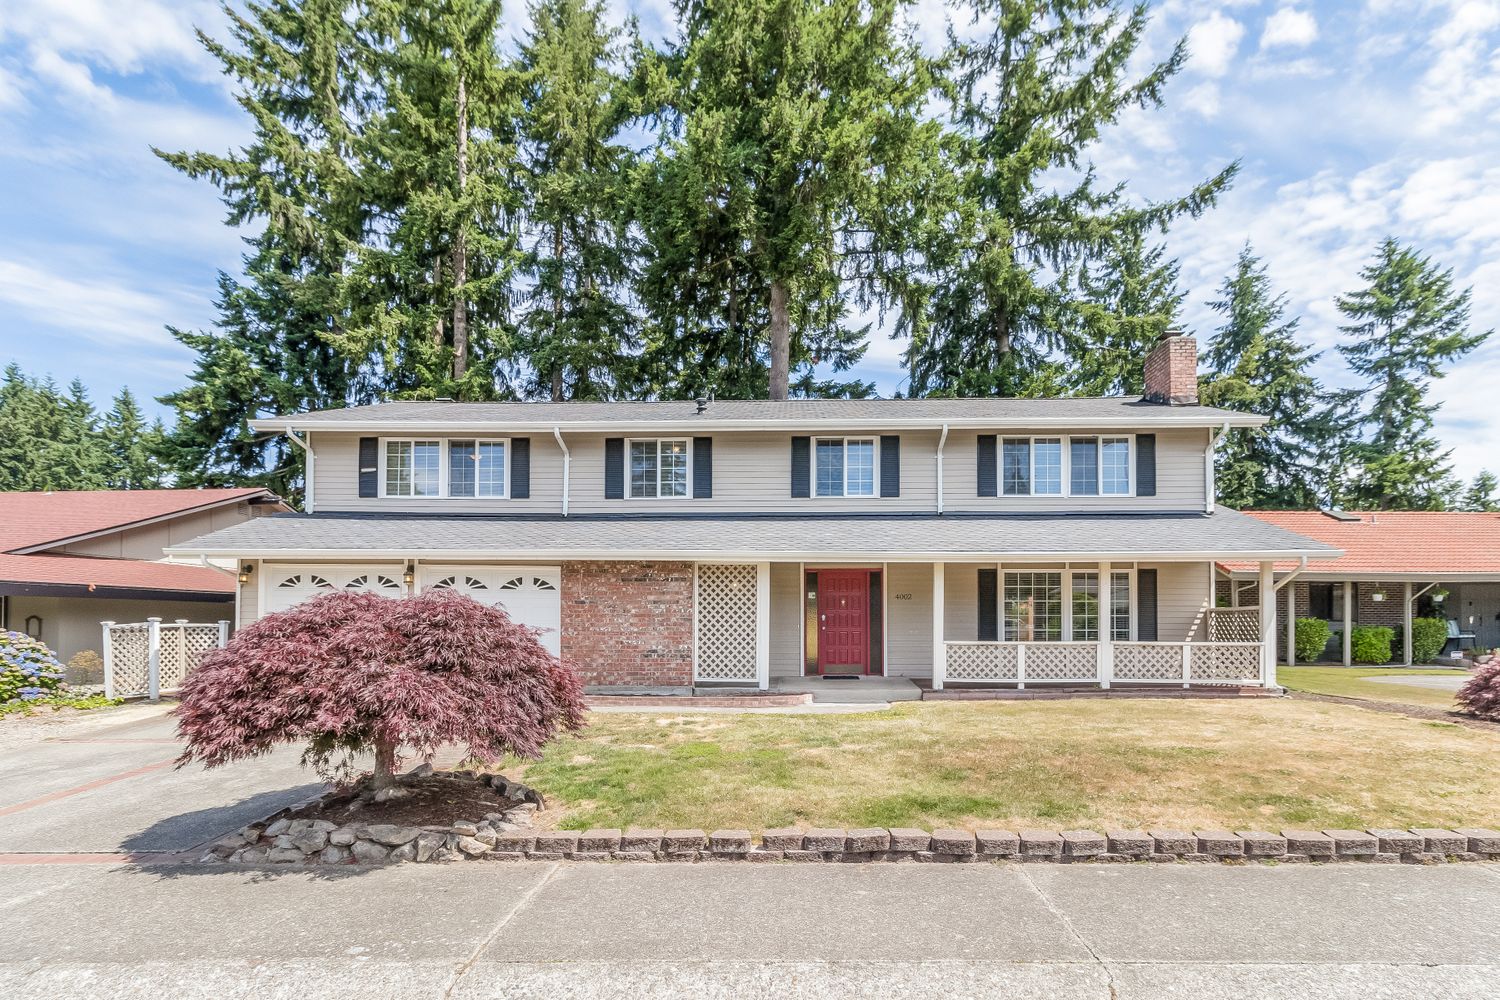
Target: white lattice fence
1234 625
981 661
1148 661
147 659
726 622
1061 661
1225 663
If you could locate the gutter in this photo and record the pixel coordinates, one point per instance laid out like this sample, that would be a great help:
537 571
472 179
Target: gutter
941 442
567 467
312 466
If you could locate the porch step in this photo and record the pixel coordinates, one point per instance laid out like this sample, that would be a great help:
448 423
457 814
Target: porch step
859 691
728 699
1065 693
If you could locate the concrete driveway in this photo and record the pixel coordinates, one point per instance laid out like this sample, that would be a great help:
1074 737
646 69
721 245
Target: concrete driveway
581 930
106 785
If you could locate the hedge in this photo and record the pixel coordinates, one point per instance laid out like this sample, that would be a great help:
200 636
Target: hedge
1312 638
1372 643
1428 636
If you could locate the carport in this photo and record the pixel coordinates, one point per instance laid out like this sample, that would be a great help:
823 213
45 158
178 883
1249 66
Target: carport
1396 566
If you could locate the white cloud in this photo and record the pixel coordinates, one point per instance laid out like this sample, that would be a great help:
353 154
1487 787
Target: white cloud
111 311
122 38
1289 27
1212 44
1204 99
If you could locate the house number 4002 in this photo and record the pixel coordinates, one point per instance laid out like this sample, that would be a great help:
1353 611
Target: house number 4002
901 597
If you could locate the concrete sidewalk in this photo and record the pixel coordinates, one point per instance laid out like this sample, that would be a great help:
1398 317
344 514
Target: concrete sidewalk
579 930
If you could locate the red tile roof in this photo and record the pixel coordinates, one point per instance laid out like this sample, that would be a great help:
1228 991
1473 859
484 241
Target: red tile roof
1395 542
31 519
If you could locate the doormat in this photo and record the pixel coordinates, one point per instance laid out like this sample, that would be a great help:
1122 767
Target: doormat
841 677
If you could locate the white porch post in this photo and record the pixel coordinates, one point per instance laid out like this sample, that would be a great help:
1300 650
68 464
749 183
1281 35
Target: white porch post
1268 624
1348 622
109 659
1291 624
153 658
763 625
939 649
1406 632
1106 655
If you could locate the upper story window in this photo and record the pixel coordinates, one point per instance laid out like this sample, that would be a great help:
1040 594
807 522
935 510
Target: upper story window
844 467
459 468
1099 466
659 468
1032 466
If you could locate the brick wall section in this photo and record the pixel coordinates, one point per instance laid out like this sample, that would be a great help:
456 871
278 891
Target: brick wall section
1172 371
629 623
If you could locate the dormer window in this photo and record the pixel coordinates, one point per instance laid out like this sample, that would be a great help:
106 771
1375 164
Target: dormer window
659 468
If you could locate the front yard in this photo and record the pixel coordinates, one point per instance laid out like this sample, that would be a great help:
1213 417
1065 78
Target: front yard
1261 764
1351 682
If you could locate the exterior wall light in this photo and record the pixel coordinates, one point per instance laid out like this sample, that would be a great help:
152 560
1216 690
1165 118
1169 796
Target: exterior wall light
245 570
409 577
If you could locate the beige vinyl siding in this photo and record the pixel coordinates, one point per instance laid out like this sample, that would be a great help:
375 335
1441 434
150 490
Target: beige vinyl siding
250 595
336 485
1179 475
908 627
147 541
961 607
786 620
1182 596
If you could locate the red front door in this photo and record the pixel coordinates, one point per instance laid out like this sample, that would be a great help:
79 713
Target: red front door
844 621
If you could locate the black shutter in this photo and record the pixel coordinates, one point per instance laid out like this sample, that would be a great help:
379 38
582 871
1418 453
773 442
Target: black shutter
1145 465
890 465
520 468
1145 605
614 468
877 624
989 605
369 467
801 467
988 443
703 468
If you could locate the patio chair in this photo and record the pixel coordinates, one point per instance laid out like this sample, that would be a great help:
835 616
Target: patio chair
1457 637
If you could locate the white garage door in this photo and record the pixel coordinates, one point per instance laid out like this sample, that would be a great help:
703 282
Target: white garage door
531 595
287 585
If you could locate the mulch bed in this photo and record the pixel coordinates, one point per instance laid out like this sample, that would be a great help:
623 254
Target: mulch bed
433 799
1396 708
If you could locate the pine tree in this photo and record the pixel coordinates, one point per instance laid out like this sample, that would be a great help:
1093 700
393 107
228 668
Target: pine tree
1257 364
791 131
1403 327
133 447
431 289
579 329
49 439
1028 100
1127 303
1480 495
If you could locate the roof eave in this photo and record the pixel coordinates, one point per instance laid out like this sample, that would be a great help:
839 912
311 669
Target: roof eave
1188 419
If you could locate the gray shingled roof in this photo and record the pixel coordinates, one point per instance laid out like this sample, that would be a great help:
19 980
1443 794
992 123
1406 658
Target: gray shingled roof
1101 411
926 536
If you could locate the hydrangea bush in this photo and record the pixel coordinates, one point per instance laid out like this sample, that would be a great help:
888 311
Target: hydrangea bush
28 670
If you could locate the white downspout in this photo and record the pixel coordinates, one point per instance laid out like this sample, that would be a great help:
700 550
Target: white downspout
567 467
1210 489
941 442
312 467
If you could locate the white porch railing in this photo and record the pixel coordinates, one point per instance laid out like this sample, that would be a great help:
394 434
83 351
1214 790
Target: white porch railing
1022 663
148 659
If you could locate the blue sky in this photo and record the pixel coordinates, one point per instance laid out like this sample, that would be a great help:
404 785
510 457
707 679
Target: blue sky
1353 121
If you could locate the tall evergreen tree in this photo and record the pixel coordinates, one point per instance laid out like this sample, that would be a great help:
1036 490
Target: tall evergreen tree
579 329
1029 99
791 129
1127 302
1402 329
49 438
132 445
1257 364
1481 494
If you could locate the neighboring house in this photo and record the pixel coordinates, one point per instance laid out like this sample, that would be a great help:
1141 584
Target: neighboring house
69 560
1396 565
669 544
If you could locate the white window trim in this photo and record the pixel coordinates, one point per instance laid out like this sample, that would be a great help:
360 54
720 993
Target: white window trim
687 443
844 440
448 476
1067 466
444 479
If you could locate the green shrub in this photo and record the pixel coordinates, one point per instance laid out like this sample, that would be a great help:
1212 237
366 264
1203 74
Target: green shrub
28 670
1428 636
1312 638
1372 643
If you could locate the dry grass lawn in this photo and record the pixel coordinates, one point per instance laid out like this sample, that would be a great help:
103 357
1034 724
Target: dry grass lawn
1350 682
1263 764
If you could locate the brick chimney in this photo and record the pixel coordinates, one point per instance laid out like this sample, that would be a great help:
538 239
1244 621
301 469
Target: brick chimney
1172 370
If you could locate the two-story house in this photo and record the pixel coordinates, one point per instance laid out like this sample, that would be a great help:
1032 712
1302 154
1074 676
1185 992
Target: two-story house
677 544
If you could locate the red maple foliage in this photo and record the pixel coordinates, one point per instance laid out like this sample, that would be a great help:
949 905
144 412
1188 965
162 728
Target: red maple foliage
1480 694
350 673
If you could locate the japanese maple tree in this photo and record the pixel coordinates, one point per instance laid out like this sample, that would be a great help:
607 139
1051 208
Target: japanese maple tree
1480 694
349 673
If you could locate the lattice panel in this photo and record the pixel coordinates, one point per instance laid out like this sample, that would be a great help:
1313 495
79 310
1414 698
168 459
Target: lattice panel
1221 664
129 655
182 646
981 661
1053 661
1234 625
1147 662
726 622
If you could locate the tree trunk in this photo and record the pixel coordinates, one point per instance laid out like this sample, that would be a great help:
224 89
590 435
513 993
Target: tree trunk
557 310
781 341
385 764
460 243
